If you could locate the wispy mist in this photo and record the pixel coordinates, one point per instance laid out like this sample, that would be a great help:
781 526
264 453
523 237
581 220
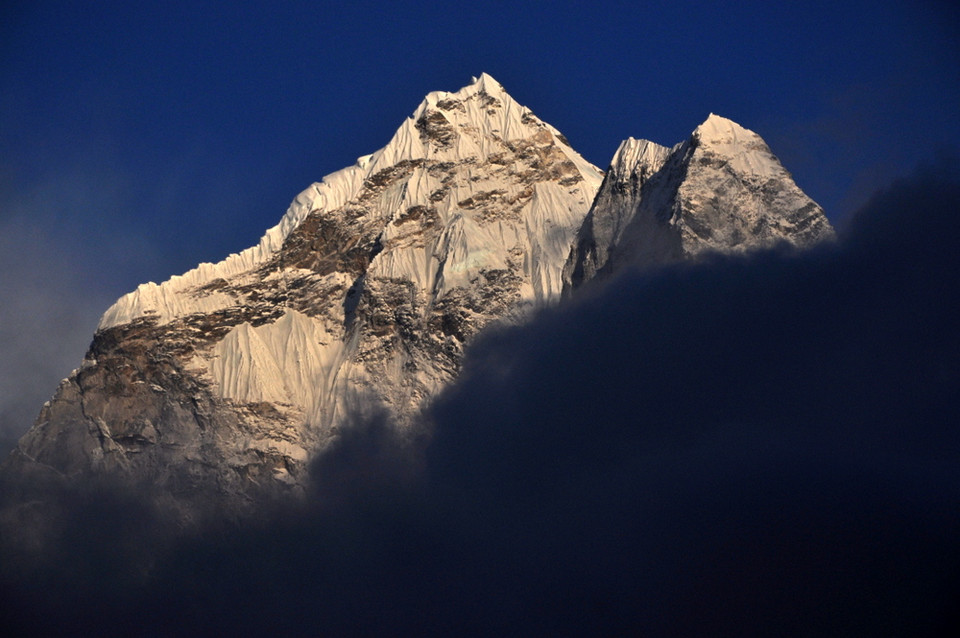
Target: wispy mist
47 315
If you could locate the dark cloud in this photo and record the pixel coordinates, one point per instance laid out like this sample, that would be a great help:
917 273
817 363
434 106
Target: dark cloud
739 447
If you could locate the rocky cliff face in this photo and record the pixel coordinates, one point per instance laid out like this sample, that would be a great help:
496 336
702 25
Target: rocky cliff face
722 190
225 380
219 385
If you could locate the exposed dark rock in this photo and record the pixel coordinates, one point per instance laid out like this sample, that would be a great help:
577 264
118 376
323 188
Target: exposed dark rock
435 128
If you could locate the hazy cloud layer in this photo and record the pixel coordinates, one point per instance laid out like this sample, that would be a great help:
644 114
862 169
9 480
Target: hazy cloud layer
48 311
744 447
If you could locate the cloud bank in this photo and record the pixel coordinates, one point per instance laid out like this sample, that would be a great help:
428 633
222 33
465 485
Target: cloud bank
740 447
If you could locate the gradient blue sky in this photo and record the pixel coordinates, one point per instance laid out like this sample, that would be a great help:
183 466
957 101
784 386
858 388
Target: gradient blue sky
137 141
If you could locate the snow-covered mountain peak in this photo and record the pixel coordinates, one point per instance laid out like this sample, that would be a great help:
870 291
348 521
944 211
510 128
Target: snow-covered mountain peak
476 125
482 84
485 82
717 129
721 190
228 378
367 292
483 92
633 153
743 150
474 120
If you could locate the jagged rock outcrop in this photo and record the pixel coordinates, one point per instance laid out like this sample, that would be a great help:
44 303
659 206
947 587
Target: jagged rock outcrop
722 190
221 383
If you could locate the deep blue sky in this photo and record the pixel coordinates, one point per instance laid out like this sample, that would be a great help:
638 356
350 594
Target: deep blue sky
136 142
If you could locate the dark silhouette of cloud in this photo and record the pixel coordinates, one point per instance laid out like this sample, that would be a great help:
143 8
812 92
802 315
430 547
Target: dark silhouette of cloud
744 446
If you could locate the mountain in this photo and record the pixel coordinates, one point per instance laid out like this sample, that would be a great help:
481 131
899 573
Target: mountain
219 385
362 297
720 190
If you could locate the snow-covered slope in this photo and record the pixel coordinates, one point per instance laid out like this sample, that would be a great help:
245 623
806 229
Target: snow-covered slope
722 190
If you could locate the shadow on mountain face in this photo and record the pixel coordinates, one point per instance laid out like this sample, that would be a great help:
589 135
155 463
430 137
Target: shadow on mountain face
740 447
